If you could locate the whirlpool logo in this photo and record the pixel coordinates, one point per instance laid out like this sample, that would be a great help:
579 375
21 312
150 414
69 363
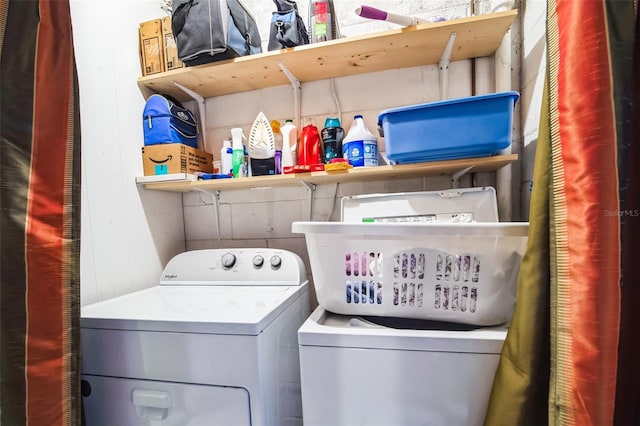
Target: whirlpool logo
170 277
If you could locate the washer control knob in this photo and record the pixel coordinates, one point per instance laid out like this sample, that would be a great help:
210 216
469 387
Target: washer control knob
275 261
258 261
228 260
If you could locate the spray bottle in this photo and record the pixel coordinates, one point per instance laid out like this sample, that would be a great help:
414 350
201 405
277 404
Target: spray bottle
237 156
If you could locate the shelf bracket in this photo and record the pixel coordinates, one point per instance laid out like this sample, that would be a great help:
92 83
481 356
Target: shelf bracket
457 175
295 84
444 66
216 205
311 188
202 111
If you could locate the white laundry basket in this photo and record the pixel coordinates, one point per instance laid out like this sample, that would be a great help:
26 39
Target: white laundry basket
464 273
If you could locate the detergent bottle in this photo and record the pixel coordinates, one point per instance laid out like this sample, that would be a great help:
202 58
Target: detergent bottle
289 144
310 150
237 156
277 135
360 146
332 136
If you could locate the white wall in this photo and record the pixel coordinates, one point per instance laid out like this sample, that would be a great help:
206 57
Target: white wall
534 55
130 233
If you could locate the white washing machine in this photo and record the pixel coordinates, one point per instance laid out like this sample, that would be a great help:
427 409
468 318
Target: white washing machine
214 343
395 372
377 351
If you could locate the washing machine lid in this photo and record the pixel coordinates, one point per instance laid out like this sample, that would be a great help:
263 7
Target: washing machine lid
327 329
245 310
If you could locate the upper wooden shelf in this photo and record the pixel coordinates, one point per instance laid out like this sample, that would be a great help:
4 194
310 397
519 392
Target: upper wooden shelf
423 44
358 174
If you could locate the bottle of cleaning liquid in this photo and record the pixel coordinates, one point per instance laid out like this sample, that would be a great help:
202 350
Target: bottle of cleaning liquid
322 21
332 136
289 144
360 146
310 150
277 135
226 158
237 156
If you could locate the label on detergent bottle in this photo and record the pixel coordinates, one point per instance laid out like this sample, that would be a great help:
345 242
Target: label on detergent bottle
361 153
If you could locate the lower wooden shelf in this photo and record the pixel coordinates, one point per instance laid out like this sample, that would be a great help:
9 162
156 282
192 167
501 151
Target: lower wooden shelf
359 174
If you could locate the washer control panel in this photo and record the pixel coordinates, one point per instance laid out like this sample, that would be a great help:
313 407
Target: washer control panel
235 267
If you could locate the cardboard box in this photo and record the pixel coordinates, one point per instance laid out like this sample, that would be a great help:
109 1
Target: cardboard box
171 61
172 158
151 47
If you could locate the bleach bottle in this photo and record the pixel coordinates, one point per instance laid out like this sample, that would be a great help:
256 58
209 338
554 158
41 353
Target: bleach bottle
360 146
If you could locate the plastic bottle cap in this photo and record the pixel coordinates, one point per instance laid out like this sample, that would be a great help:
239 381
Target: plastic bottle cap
332 122
226 143
275 126
357 116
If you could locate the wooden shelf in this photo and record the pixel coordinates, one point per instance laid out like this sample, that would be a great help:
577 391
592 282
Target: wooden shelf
423 44
359 174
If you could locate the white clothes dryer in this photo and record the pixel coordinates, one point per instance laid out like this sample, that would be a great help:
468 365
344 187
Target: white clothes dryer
383 371
215 343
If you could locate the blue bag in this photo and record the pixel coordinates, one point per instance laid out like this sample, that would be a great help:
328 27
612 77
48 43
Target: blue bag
166 121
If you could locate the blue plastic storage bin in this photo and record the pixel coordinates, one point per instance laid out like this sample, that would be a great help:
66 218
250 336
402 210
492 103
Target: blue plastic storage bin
475 126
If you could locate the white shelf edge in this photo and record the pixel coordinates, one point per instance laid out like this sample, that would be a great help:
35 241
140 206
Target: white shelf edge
174 177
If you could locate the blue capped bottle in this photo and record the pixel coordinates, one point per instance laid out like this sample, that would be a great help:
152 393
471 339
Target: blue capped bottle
332 136
360 146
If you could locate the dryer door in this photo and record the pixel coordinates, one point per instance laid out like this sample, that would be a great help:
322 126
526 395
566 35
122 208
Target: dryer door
112 401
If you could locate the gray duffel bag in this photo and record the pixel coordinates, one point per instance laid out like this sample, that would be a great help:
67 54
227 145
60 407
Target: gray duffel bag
213 30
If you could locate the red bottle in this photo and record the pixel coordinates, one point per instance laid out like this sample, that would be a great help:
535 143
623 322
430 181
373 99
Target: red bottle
310 149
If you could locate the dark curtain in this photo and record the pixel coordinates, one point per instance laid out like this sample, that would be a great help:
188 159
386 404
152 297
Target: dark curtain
39 215
628 386
569 355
